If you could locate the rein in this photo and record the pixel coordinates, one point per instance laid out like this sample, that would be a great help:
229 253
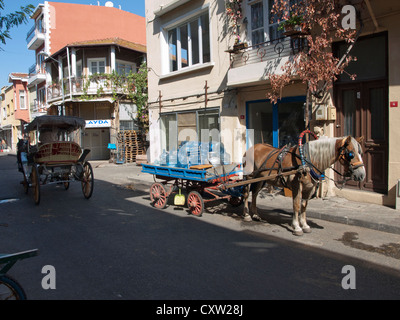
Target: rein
316 174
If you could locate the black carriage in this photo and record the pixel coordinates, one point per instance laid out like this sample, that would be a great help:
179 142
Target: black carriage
55 158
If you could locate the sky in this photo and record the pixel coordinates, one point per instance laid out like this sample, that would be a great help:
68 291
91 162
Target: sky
15 56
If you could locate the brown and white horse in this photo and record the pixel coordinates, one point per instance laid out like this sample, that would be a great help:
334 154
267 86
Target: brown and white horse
261 160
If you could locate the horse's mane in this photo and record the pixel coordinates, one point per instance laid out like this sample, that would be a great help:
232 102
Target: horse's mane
323 153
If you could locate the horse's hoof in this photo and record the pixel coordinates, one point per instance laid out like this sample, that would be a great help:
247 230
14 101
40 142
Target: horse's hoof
298 232
247 218
307 230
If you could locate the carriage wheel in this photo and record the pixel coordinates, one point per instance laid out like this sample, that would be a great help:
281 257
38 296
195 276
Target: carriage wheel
235 201
87 180
158 195
195 203
35 182
10 289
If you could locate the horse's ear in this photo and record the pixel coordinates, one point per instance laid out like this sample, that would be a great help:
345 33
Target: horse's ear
346 141
360 139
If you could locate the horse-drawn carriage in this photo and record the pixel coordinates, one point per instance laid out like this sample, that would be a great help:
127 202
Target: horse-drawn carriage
299 168
55 158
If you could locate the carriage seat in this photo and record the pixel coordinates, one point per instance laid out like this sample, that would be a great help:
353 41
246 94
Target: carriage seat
58 153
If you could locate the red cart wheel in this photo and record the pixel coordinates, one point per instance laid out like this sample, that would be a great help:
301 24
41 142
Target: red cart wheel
158 195
195 203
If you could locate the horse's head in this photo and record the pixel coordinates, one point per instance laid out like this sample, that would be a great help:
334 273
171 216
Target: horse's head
350 156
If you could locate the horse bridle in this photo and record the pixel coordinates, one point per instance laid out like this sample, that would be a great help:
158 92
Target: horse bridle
348 156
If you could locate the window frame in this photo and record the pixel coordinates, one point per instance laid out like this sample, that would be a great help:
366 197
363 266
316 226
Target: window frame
22 93
266 22
89 64
176 24
211 110
125 63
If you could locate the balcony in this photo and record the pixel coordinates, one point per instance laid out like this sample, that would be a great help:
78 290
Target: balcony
79 86
37 108
35 37
252 65
37 75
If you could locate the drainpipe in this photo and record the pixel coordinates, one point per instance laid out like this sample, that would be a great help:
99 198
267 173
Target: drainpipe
69 75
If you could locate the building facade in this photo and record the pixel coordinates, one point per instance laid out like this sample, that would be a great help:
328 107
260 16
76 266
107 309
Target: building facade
14 110
199 80
94 86
73 42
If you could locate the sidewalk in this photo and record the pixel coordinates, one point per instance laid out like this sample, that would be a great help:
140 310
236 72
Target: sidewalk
334 209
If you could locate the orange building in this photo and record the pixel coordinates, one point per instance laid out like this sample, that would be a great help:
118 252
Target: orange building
73 42
58 24
21 109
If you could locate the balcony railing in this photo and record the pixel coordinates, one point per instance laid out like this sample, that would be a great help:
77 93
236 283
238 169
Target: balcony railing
37 106
80 86
278 48
32 32
35 69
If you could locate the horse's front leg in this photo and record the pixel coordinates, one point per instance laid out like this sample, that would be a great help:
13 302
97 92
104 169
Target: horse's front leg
253 209
297 230
303 220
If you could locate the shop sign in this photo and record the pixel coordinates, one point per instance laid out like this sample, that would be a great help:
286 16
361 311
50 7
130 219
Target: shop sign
98 123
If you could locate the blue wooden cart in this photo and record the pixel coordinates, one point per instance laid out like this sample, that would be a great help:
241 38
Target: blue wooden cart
202 183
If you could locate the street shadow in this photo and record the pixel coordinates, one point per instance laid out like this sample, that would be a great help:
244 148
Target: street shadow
115 245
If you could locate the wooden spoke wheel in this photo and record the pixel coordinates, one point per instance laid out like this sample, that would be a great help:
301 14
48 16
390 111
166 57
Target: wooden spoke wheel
35 183
87 180
158 195
195 203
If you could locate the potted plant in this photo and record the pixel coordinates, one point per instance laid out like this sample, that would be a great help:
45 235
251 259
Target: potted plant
239 45
293 25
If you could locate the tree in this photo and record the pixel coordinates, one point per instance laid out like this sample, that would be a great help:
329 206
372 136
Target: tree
14 19
315 65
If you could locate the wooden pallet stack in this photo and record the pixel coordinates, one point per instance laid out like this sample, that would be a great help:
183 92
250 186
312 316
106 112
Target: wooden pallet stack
130 144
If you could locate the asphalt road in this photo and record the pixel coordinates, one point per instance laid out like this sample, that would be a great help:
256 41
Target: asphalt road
115 246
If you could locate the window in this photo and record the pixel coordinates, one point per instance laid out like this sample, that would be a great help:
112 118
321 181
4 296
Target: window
41 97
189 43
79 69
22 100
178 127
263 25
257 23
276 124
124 67
97 66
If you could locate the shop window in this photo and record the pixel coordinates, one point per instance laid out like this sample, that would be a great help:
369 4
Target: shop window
275 124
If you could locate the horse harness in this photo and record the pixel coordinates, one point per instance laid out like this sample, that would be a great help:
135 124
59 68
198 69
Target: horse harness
306 164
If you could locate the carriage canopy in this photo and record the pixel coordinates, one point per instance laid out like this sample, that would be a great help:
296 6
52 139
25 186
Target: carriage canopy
67 123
